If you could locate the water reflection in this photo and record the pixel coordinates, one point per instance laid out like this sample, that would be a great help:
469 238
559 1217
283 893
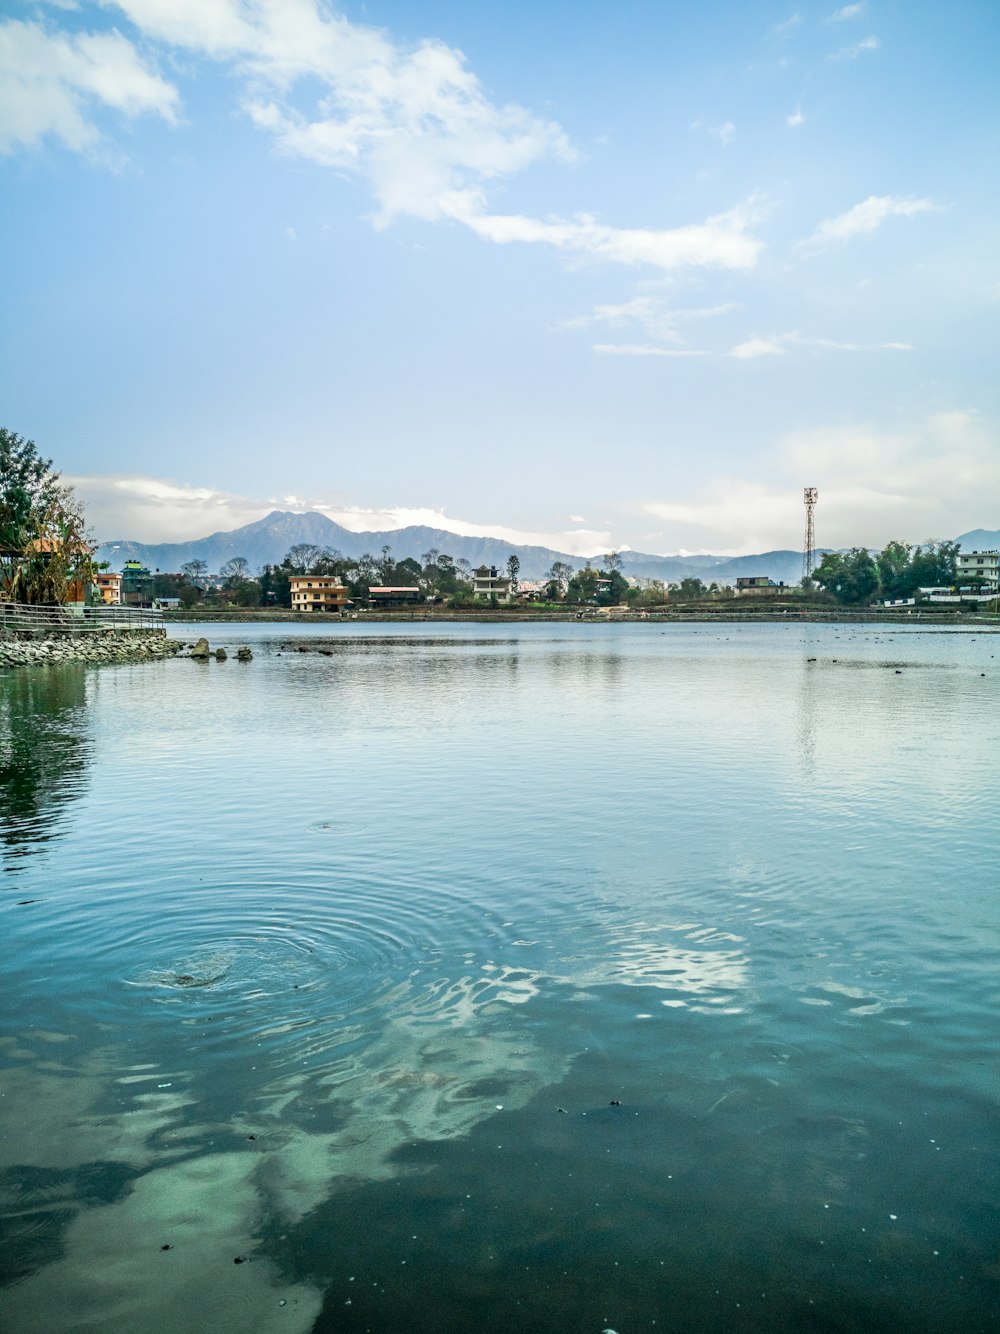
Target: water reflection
45 747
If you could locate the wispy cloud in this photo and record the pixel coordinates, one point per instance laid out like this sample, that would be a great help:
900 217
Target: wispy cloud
858 49
645 350
796 117
787 26
865 218
845 13
651 313
56 85
722 241
778 344
410 120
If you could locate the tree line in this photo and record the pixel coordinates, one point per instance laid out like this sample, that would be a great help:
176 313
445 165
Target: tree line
858 577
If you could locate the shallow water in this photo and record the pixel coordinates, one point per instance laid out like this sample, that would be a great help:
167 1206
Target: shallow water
536 977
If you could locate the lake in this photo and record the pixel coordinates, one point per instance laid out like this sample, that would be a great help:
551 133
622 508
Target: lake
552 977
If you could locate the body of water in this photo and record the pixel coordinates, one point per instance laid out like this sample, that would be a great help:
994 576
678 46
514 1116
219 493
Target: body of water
539 978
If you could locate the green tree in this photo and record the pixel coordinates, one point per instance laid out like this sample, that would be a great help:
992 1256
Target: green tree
583 586
513 570
613 562
851 577
691 588
895 570
44 546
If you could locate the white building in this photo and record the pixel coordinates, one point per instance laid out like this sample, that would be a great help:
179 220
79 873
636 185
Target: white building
979 567
487 582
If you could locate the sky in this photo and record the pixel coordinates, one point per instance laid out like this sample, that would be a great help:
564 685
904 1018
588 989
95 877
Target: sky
584 275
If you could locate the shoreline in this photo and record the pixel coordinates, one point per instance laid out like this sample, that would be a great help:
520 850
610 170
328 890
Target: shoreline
496 617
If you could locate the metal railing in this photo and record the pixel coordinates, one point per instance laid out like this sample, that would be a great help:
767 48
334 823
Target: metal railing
18 618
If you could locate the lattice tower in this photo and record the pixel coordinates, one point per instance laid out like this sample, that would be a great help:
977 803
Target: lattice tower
810 495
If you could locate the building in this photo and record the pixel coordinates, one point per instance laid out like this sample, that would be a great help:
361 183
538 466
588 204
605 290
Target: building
109 585
488 583
979 568
137 584
755 583
317 592
394 596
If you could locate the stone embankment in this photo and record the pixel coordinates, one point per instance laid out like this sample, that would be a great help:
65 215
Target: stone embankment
94 647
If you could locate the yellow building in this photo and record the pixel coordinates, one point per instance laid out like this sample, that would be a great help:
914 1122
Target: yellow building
110 586
317 592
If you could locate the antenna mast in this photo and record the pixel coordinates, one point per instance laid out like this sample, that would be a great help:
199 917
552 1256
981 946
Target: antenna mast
810 495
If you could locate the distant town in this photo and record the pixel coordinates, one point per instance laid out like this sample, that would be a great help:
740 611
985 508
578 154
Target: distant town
313 580
48 559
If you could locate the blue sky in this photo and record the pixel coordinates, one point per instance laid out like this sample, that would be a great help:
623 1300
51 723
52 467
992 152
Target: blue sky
588 275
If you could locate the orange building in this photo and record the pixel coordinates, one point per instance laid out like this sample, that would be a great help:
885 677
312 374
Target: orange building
110 586
317 592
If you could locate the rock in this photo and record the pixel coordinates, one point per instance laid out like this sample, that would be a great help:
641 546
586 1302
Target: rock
221 655
243 653
201 650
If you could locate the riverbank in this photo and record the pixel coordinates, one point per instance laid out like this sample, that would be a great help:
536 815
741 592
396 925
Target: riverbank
95 647
499 615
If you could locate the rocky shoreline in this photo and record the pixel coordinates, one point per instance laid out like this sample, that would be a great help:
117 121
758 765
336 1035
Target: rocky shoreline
103 646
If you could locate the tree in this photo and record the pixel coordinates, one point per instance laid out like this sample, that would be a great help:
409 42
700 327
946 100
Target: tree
44 546
235 572
690 589
513 570
560 571
194 571
851 577
895 570
613 562
583 586
302 557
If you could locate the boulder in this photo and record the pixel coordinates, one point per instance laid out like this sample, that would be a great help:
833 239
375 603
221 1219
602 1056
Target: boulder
201 650
243 653
221 655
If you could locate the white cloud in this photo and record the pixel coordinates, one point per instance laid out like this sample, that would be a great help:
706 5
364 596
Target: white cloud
846 12
931 479
577 542
414 122
52 84
859 48
724 132
645 350
796 118
153 509
777 344
757 347
719 242
865 218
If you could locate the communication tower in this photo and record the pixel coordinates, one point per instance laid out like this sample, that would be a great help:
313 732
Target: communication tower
809 496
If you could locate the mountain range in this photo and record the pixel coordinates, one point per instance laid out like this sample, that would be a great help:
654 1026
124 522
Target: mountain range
268 540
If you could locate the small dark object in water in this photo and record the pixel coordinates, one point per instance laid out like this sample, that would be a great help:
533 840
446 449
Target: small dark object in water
563 1110
240 1260
21 903
166 1246
615 1102
898 672
251 1136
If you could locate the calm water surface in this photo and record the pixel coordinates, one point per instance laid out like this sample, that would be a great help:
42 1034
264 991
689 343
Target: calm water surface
492 978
